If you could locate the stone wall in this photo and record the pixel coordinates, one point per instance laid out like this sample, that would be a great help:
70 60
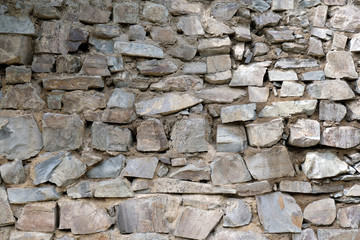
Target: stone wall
179 119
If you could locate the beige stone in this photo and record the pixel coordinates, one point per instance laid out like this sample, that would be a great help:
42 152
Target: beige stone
321 212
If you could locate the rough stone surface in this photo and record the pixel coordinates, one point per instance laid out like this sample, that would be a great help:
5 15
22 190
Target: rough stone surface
7 216
14 25
292 89
220 94
339 64
333 234
330 89
126 12
190 25
288 108
138 49
114 188
73 83
249 75
304 133
340 137
19 235
140 167
265 134
235 113
17 74
237 214
230 138
27 195
156 67
151 136
329 111
13 172
253 189
108 168
121 98
349 216
192 173
15 49
78 101
321 212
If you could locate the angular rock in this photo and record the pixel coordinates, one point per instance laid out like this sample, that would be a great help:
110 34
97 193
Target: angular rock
166 104
313 76
330 89
249 75
267 19
253 189
15 49
109 168
225 234
322 33
89 14
355 43
180 83
260 49
315 48
279 75
156 67
349 216
17 74
183 7
72 83
45 167
163 35
192 173
279 212
242 32
218 63
151 136
136 32
106 31
296 63
282 5
229 168
321 212
78 101
322 165
80 190
238 51
265 134
353 110
280 36
217 28
340 64
335 2
19 235
121 98
111 116
214 46
235 113
16 25
320 16
46 12
292 89
13 172
116 64
219 78
183 51
304 133
62 132
195 68
258 94
7 216
224 10
295 186
230 138
333 234
288 108
221 94
269 163
27 195
43 64
339 41
329 111
126 12
340 137
138 49
68 64
143 167
95 65
114 188
155 12
237 214
107 137
346 19
293 47
306 234
190 25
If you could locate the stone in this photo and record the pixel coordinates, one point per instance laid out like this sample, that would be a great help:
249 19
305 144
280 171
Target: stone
5 233
292 89
106 31
341 137
196 223
320 16
304 133
267 19
83 217
166 104
126 12
335 2
315 48
339 41
214 46
321 212
38 217
121 98
242 32
322 33
329 111
151 136
43 64
68 64
183 7
90 14
340 64
265 134
164 35
349 216
107 137
156 67
13 172
72 82
229 168
45 167
109 168
180 83
190 25
19 235
111 116
7 216
20 137
293 47
230 138
288 108
194 68
279 75
143 167
260 49
220 94
225 234
237 214
353 110
114 188
234 113
287 63
355 43
283 208
155 12
178 162
162 171
249 75
15 49
192 173
238 51
105 46
258 94
136 32
219 78
269 163
16 25
183 51
333 234
280 36
224 10
78 101
62 132
218 63
95 65
17 74
135 49
313 76
116 64
282 5
217 28
295 186
80 190
46 12
306 234
27 195
322 165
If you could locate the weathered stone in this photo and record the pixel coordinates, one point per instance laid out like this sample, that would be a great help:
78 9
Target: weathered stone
68 64
304 133
143 167
280 36
339 41
111 116
313 76
217 28
322 33
180 83
228 168
253 189
138 49
341 137
242 32
346 19
321 212
95 65
220 94
349 216
333 234
38 217
315 48
237 214
295 186
44 169
107 137
80 190
269 163
214 46
191 173
62 132
7 216
72 83
322 165
106 31
283 208
15 49
235 113
27 195
230 138
89 14
54 99
335 2
353 110
166 104
115 63
5 233
114 188
151 136
320 16
249 75
182 7
225 234
258 94
46 12
293 47
260 49
163 35
238 51
136 32
19 235
340 64
43 63
292 89
296 63
288 108
306 234
105 46
267 19
265 134
196 223
20 137
279 75
78 101
331 111
224 10
13 172
190 25
83 217
183 51
121 98
156 67
155 12
219 78
218 63
355 43
194 68
282 5
126 12
17 74
16 25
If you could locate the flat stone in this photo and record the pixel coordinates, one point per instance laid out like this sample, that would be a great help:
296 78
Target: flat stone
106 31
282 5
280 36
44 168
217 28
68 64
341 137
329 111
151 136
333 234
72 83
192 173
260 49
20 137
340 64
322 165
16 25
238 51
267 19
315 47
27 195
111 116
127 12
321 212
244 112
335 2
269 163
225 234
349 216
163 35
221 94
353 110
5 233
306 234
322 33
224 11
7 216
283 208
304 133
15 49
114 188
166 104
219 77
13 172
194 68
143 167
43 64
102 45
83 217
183 51
288 108
82 189
19 235
180 83
38 217
293 47
249 75
219 63
138 49
229 168
253 189
115 63
156 13
121 98
258 94
156 67
295 186
313 76
196 223
62 132
78 101
90 14
242 32
190 25
237 214
265 134
46 12
96 65
292 89
214 46
320 16
287 63
339 41
183 7
17 74
107 137
346 19
279 75
355 43
230 138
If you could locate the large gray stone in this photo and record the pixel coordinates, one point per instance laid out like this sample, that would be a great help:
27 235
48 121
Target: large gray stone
265 134
44 168
90 14
242 32
17 74
292 89
151 136
304 133
288 108
253 188
192 173
340 137
217 28
329 111
330 89
135 49
244 112
82 189
183 50
340 64
20 235
313 75
335 234
114 188
280 36
15 49
155 12
78 101
178 83
346 18
143 167
121 98
349 216
249 75
280 75
6 216
221 94
321 212
237 214
267 19
224 10
214 46
13 172
26 195
156 68
109 168
16 25
190 25
295 186
230 138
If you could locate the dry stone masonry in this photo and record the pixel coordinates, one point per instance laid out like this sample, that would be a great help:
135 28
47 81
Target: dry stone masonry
179 119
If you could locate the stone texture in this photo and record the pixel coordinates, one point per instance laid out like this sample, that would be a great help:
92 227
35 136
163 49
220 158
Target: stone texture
313 76
19 235
249 75
237 214
80 190
140 167
68 64
304 133
109 168
121 98
220 94
253 189
183 50
288 108
353 110
138 49
79 101
155 12
217 28
329 111
306 234
349 216
219 78
340 137
89 14
339 64
192 173
280 36
235 113
266 19
156 67
321 212
330 89
127 12
43 64
15 49
265 134
17 74
72 83
16 25
279 75
27 195
114 188
13 172
151 136
106 31
96 65
7 216
238 51
292 89
224 11
178 83
195 68
355 43
295 186
46 165
218 63
287 63
120 116
214 46
346 19
258 94
225 234
163 35
190 25
333 234
315 47
242 32
230 138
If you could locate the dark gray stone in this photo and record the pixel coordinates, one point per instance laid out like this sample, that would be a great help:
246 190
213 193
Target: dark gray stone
109 168
26 195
